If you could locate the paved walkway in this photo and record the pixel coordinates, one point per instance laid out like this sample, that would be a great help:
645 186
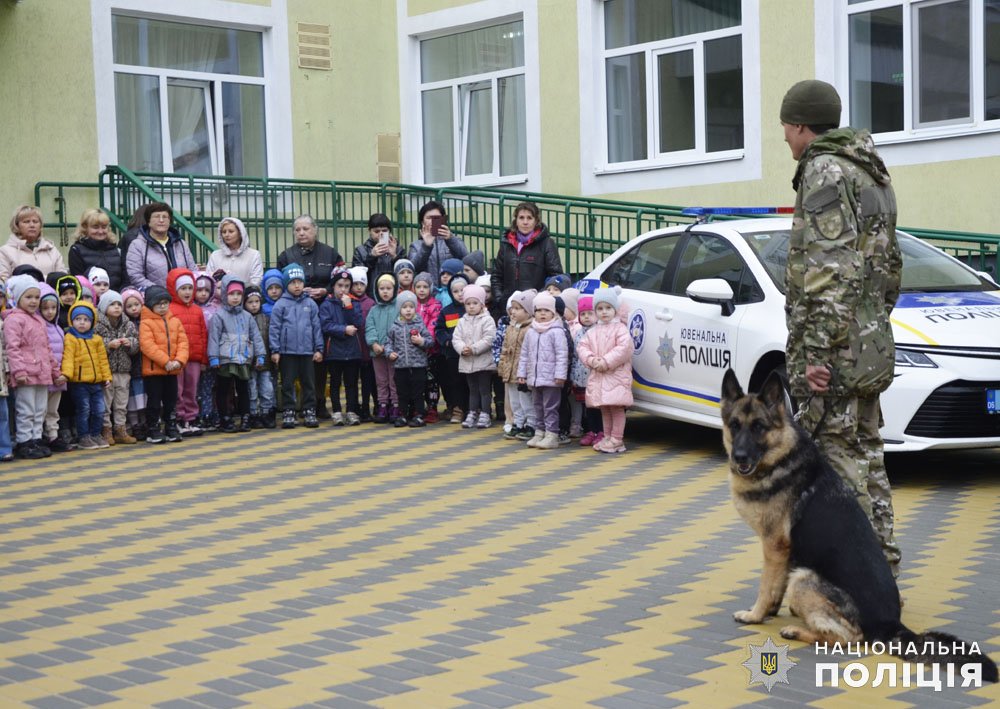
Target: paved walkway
433 568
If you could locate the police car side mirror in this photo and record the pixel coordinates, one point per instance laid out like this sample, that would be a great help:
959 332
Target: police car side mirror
715 291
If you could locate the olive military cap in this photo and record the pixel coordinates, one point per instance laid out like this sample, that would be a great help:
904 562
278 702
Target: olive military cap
810 103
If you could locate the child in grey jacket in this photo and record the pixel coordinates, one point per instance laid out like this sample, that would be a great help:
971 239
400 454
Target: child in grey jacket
235 350
406 349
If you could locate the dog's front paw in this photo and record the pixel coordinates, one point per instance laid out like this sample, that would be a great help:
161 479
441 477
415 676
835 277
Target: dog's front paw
748 617
790 632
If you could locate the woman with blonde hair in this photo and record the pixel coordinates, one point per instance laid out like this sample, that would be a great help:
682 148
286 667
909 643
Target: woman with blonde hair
26 245
96 247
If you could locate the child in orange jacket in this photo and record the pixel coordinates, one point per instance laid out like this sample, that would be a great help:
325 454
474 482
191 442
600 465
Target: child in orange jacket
85 366
164 347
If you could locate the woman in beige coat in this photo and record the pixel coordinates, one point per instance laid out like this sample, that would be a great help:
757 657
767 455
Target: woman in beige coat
26 245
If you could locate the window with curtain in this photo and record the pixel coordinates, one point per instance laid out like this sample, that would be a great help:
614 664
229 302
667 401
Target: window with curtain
673 72
472 104
189 99
923 55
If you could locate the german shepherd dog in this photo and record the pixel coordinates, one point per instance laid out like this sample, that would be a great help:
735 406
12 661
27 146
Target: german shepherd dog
820 550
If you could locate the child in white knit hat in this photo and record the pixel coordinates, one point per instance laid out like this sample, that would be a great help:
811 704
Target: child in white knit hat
359 292
473 340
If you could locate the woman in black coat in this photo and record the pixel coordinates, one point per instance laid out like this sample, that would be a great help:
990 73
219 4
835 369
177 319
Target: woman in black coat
94 246
527 255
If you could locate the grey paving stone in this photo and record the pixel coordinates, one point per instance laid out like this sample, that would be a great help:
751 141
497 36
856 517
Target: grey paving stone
139 676
269 667
35 661
522 694
105 683
90 697
386 685
229 686
54 702
356 691
65 654
260 680
181 659
487 698
297 661
17 673
217 700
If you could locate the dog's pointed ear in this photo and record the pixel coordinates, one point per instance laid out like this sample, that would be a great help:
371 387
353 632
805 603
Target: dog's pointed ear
773 393
731 389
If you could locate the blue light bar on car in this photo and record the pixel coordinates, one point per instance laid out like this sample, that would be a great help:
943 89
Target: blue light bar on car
734 211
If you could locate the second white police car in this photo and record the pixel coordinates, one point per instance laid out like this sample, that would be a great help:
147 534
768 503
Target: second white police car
706 297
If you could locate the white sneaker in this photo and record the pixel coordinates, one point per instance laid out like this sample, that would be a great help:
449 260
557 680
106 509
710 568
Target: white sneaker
484 420
470 420
352 419
550 441
338 418
536 439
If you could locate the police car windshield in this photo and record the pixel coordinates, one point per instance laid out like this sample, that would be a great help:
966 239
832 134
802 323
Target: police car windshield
925 268
771 248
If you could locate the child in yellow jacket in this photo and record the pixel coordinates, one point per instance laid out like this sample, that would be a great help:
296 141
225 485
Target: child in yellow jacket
85 365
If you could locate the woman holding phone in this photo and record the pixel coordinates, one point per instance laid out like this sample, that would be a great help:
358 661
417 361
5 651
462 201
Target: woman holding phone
379 251
234 257
436 243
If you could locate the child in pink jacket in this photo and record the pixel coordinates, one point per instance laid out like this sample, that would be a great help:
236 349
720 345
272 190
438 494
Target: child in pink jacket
607 350
33 368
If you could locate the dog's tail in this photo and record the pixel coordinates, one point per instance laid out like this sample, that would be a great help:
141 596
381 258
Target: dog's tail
937 648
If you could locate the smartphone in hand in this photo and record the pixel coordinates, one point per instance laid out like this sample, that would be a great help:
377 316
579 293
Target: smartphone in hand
436 223
384 238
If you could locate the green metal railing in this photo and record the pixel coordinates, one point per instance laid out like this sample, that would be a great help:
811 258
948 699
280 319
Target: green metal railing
586 229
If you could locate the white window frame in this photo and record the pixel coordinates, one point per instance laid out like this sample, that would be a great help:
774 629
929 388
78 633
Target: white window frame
673 169
271 22
211 91
412 30
935 142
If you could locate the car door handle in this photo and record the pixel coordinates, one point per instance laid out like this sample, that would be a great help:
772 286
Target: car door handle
664 315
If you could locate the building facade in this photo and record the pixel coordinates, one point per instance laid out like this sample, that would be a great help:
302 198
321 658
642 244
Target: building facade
666 101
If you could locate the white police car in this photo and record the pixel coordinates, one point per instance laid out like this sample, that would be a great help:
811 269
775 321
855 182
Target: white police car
710 296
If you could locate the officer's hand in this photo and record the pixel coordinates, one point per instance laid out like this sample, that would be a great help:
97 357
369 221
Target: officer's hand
818 377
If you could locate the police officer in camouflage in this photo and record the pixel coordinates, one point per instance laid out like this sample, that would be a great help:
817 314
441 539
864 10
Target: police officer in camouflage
842 280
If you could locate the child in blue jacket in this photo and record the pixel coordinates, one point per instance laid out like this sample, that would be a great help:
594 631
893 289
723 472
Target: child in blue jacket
296 342
340 320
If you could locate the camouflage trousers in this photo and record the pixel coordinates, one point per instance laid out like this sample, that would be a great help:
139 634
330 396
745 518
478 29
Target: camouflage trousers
849 438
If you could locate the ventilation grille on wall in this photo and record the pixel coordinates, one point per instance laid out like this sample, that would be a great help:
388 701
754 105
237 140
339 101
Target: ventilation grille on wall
387 167
314 46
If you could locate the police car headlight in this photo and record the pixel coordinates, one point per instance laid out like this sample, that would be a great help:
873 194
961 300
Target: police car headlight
910 358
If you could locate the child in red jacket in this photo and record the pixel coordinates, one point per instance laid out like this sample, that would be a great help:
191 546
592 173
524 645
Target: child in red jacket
180 285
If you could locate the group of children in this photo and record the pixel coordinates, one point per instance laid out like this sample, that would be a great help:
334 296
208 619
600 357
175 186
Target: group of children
174 361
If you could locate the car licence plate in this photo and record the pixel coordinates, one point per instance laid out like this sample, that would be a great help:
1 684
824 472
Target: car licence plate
993 401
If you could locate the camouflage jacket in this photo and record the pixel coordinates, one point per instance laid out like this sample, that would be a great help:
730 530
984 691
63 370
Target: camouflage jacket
843 270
